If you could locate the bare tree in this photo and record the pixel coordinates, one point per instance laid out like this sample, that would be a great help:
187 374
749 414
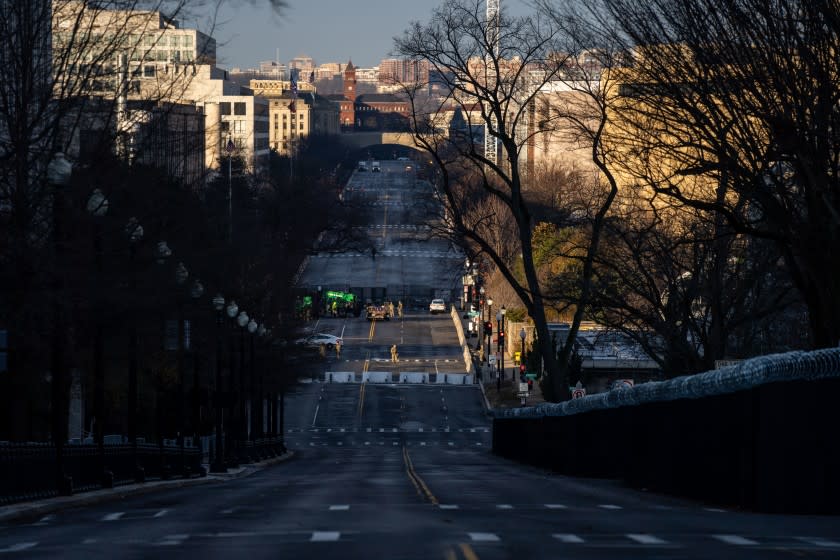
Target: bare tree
493 72
732 108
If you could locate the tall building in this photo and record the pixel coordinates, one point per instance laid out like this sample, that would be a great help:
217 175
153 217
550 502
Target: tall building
347 114
293 118
301 68
396 71
156 61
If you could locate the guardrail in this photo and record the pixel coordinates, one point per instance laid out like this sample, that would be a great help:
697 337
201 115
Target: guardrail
757 435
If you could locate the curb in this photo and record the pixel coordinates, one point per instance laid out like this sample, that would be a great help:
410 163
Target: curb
26 510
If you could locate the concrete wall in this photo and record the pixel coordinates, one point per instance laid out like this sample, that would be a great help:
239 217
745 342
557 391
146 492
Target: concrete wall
760 435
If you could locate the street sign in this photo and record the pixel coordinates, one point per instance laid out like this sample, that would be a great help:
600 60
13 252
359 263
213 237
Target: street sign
491 359
523 388
579 391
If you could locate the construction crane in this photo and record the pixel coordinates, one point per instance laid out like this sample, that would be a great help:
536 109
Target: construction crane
490 145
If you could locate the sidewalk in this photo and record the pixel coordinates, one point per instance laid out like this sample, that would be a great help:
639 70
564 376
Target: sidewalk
508 397
39 508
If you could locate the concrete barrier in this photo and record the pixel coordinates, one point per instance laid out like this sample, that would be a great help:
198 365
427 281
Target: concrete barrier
414 377
340 377
459 378
377 377
440 377
456 319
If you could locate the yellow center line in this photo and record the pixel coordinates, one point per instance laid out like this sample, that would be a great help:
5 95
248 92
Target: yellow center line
372 330
468 552
415 478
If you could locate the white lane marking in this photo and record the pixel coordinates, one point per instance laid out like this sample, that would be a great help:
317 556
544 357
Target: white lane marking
395 443
450 443
422 443
367 443
325 536
484 537
90 541
161 513
609 506
567 538
231 510
555 506
504 506
369 429
173 540
816 541
316 415
448 506
17 547
734 539
381 429
419 429
342 507
715 510
394 430
329 429
342 429
113 516
645 539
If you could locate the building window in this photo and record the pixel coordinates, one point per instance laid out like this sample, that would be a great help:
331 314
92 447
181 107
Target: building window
149 71
301 125
224 126
224 108
239 108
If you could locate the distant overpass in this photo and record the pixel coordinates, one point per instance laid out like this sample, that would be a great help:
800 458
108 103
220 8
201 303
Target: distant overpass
361 140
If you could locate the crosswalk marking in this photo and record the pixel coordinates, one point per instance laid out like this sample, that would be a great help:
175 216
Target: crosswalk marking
17 547
340 507
609 506
113 516
645 539
504 506
567 538
483 537
325 536
816 541
555 506
735 539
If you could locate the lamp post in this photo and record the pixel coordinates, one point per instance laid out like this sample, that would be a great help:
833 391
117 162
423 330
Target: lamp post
502 339
252 416
522 352
181 276
134 231
59 172
218 465
501 354
261 334
232 309
196 291
489 334
229 148
97 207
242 424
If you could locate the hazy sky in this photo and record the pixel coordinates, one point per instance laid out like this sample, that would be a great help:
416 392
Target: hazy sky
249 31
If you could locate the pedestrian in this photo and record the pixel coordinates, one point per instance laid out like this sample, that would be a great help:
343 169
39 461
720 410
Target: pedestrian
394 353
390 309
338 350
323 351
334 309
399 308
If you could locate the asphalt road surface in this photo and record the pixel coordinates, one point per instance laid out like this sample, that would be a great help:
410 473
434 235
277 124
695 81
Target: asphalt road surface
405 471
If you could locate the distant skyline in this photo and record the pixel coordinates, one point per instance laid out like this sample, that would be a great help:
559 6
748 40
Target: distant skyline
250 31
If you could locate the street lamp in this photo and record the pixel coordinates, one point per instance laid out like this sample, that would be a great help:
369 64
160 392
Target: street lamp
499 318
232 309
218 465
522 352
97 207
490 320
252 328
181 276
59 172
242 424
134 231
196 291
502 340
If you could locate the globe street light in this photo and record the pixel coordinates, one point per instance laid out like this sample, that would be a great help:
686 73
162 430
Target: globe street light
134 231
59 172
218 465
97 207
242 429
232 310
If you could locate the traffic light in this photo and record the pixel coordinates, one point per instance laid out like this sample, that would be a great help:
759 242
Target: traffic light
522 369
488 328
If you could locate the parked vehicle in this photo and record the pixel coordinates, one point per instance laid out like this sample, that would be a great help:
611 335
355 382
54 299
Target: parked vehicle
437 306
374 166
362 166
317 339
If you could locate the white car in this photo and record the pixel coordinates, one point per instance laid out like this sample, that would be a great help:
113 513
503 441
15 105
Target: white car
437 306
317 339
